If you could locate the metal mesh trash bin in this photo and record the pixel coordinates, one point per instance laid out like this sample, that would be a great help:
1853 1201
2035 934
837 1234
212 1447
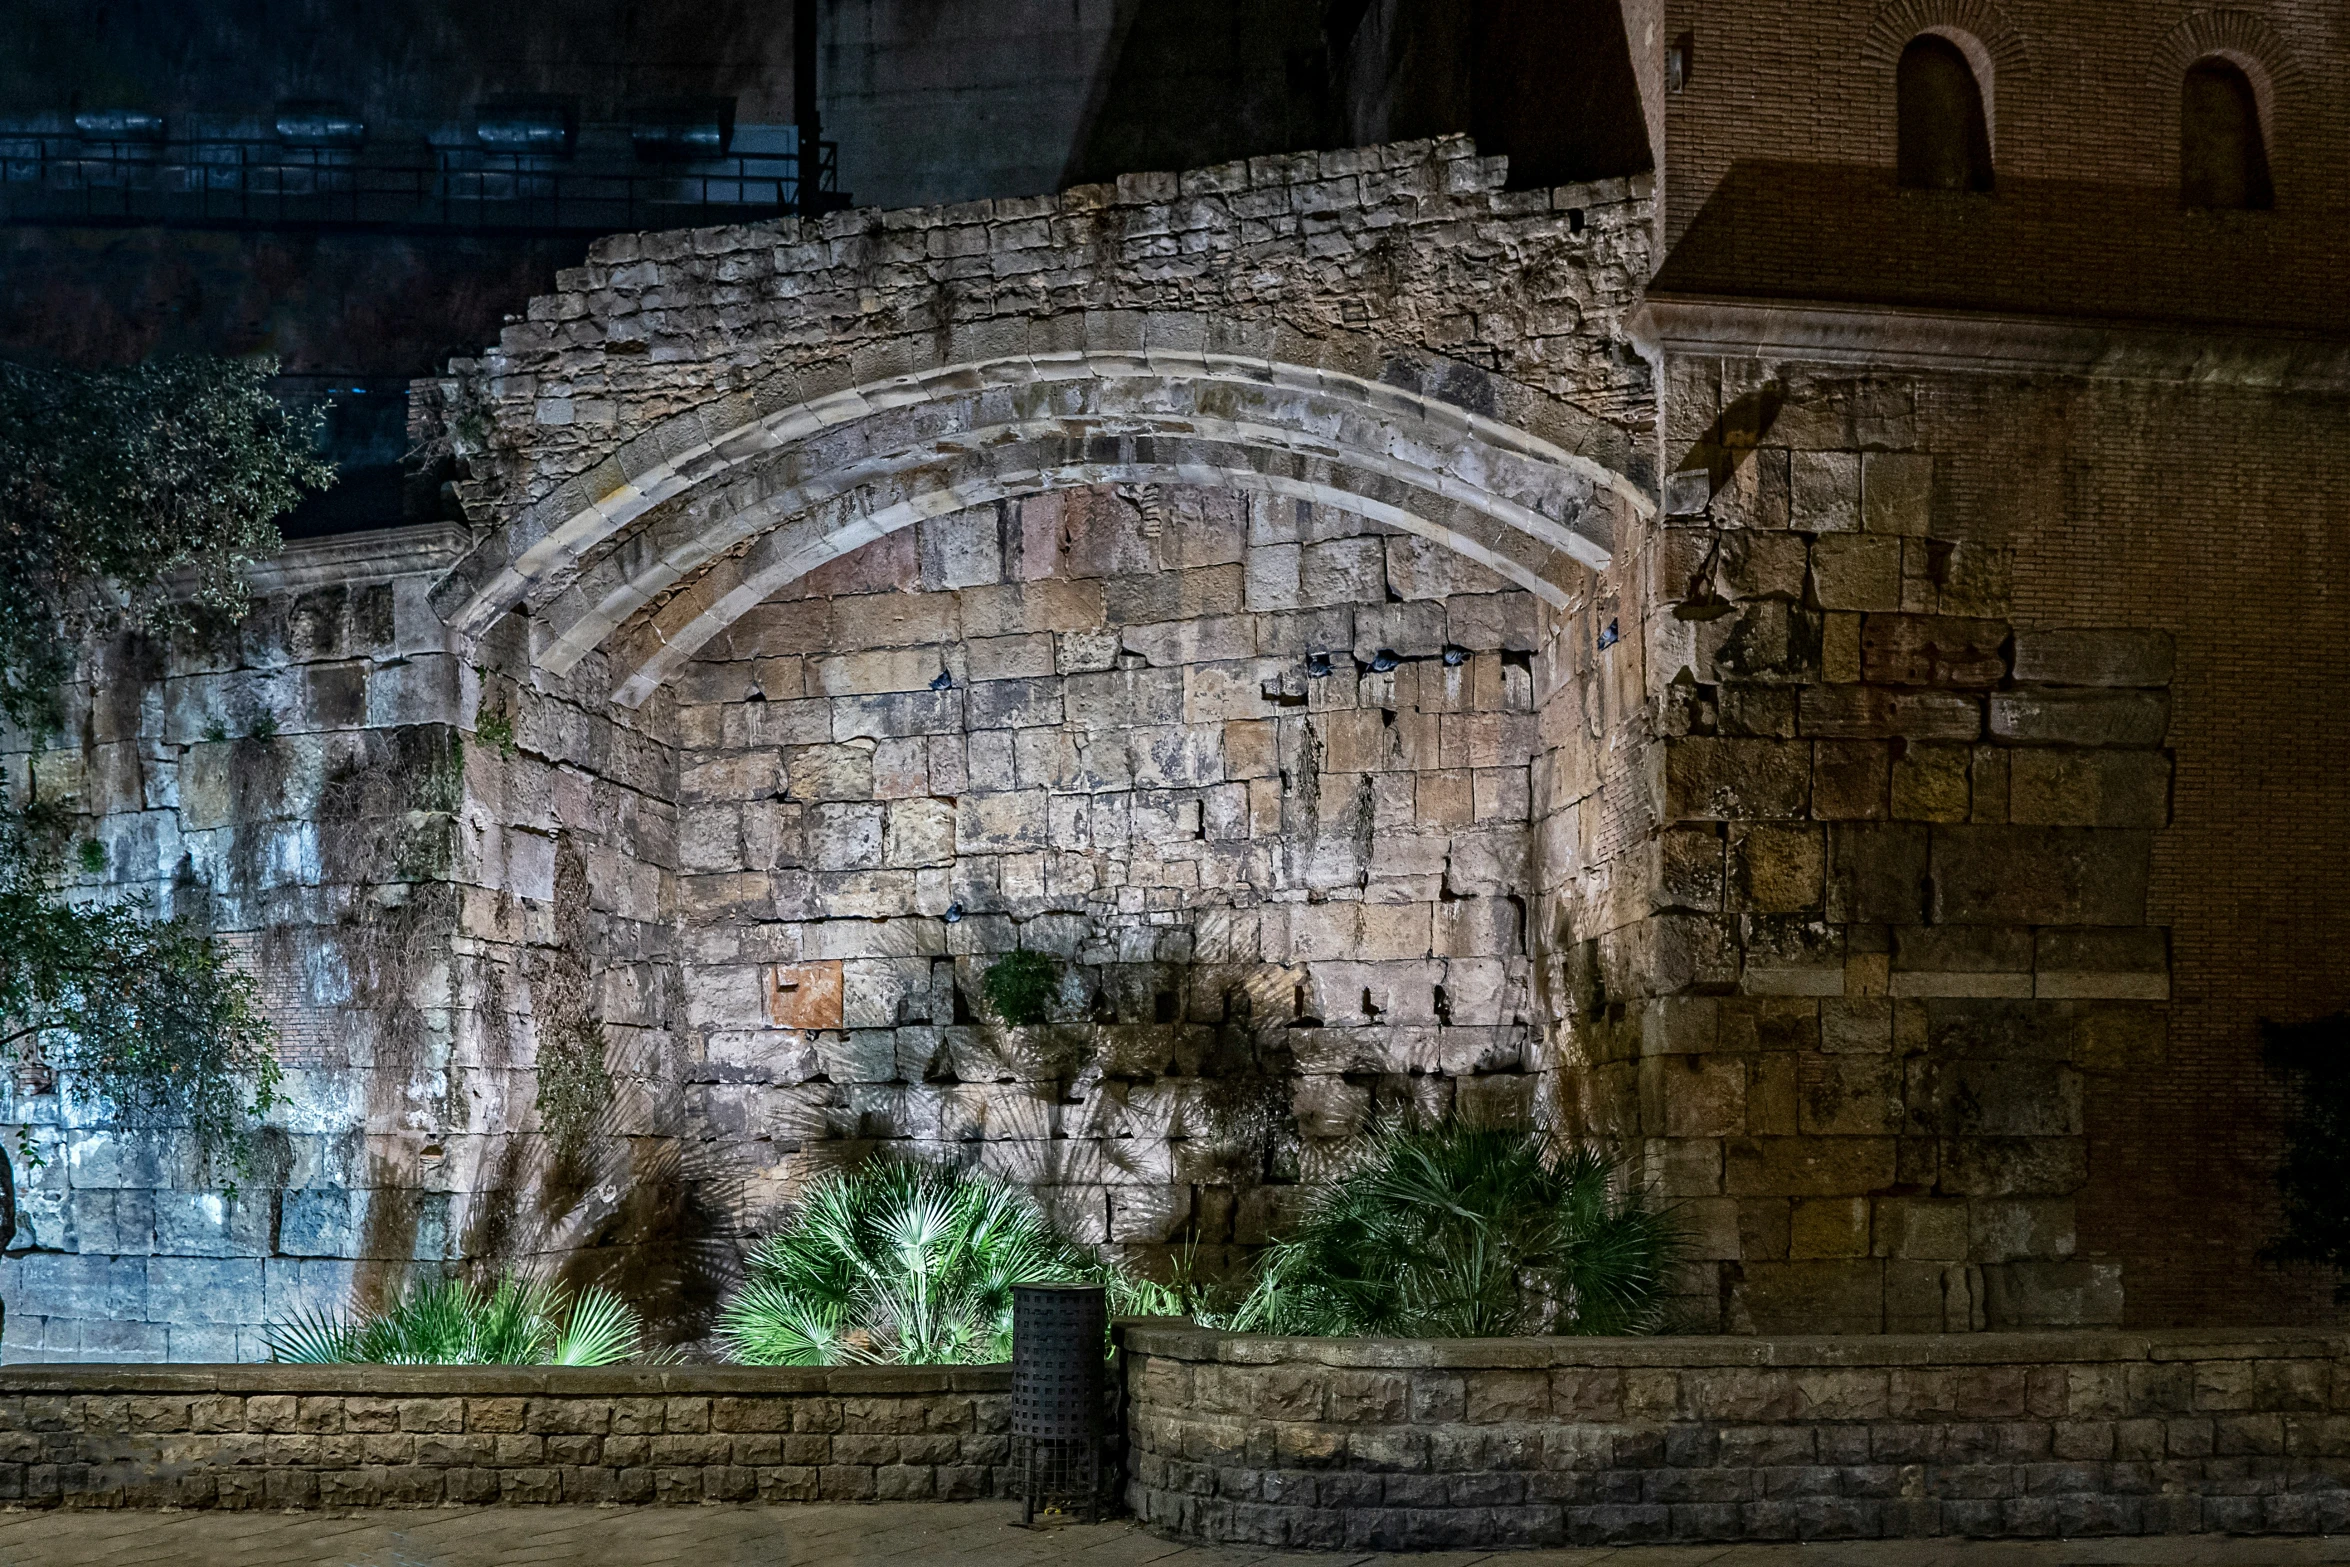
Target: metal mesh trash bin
1058 1384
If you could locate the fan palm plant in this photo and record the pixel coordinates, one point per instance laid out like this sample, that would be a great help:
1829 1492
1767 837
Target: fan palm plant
1460 1231
896 1262
446 1322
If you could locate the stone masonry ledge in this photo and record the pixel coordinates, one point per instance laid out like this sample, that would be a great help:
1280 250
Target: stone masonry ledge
94 1378
1294 1443
1184 1341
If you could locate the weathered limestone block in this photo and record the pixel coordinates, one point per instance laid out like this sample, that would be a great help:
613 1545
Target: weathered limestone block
1736 779
2115 656
1825 491
2055 717
2069 788
2039 875
1932 650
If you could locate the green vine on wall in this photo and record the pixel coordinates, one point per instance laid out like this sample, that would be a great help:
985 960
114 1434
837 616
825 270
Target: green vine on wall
574 1081
493 721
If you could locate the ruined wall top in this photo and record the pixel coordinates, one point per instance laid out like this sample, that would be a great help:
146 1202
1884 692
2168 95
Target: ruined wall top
1474 336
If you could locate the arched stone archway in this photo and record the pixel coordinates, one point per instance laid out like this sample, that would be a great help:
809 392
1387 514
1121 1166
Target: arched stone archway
1282 832
696 419
670 555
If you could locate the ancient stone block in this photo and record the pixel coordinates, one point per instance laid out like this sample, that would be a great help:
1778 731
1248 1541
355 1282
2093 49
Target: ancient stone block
1863 712
2089 788
845 837
2103 657
1764 565
1778 870
1897 492
1824 491
1736 779
2039 875
1824 1227
1931 783
920 832
1806 1166
1853 571
2052 1294
1769 641
997 822
1342 571
1850 1095
1849 780
1876 872
829 772
1933 650
2057 717
2109 964
1839 1296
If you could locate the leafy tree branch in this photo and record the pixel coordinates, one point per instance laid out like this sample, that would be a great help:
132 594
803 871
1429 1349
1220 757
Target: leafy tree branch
150 1018
113 484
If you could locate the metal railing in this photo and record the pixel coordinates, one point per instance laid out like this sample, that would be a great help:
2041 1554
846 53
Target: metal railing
230 184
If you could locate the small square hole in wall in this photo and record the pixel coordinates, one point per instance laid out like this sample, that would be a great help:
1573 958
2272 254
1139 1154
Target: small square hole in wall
805 995
1680 54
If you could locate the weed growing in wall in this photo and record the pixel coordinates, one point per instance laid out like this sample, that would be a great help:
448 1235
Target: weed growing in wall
1021 987
493 724
574 1084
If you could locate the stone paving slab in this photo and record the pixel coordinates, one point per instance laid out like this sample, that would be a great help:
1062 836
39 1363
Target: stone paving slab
931 1535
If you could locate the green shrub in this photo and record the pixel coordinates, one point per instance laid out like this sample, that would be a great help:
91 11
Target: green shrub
449 1323
1459 1231
1021 987
904 1263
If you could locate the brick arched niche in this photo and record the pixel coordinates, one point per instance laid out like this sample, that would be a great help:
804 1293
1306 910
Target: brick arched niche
693 523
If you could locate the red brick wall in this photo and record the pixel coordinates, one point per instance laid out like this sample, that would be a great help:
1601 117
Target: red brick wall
2079 92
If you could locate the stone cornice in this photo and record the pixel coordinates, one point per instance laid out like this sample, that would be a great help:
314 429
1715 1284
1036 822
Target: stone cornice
376 555
1986 343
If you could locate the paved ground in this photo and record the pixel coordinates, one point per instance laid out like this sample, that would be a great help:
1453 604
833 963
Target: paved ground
916 1535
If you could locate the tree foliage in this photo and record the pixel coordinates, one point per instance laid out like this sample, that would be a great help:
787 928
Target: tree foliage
148 1017
113 483
1463 1231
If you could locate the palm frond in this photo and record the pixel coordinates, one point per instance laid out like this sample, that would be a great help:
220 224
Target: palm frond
900 1262
446 1322
1465 1231
601 1331
310 1338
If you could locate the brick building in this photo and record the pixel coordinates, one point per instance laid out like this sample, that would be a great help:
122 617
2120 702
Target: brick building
1805 667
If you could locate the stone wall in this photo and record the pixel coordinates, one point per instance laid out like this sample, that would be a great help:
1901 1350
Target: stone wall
1978 886
368 1436
1253 773
294 782
313 785
1486 1443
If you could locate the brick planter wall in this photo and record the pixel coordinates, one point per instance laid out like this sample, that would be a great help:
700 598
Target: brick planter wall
1370 1444
352 1436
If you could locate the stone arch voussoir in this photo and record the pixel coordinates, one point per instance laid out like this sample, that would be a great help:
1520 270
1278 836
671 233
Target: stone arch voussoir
670 533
